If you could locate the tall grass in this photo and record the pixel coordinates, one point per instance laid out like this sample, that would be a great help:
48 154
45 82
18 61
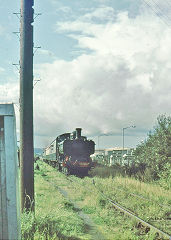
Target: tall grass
57 218
104 171
150 202
53 218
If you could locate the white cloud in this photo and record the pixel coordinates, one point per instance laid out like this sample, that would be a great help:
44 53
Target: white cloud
102 13
161 8
123 80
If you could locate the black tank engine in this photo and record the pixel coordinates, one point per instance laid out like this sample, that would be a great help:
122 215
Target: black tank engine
70 153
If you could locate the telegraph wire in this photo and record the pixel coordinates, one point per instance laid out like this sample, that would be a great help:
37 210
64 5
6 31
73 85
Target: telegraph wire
158 11
157 14
158 6
168 2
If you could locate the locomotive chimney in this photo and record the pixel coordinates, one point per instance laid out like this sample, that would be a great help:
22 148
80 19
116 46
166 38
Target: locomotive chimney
78 132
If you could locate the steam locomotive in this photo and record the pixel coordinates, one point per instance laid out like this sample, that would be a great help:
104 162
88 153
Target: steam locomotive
70 153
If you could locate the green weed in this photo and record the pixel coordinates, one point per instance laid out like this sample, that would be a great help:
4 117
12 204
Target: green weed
56 216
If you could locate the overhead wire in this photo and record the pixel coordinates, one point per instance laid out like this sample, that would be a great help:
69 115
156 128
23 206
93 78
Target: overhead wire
164 3
169 3
161 9
157 13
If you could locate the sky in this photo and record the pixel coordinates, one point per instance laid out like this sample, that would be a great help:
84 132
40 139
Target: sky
104 65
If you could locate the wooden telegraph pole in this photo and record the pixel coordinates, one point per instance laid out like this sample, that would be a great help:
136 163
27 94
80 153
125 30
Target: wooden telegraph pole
26 105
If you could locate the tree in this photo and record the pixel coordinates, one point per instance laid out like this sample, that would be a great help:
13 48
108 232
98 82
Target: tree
153 157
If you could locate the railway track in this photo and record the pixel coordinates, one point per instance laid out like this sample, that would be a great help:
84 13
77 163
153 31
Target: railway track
128 212
140 221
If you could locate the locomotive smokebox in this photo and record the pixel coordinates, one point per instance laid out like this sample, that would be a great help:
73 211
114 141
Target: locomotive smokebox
78 132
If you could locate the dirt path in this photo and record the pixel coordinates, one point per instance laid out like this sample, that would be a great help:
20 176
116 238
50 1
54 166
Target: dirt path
90 226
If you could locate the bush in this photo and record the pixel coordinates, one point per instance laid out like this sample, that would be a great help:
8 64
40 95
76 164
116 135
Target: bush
152 158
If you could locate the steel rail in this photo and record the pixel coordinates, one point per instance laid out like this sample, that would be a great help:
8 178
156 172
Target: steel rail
116 205
129 213
144 198
124 210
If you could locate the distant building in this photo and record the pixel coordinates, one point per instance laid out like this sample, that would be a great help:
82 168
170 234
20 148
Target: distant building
118 155
115 155
100 151
98 156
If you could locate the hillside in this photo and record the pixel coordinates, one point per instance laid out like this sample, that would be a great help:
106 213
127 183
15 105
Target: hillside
38 151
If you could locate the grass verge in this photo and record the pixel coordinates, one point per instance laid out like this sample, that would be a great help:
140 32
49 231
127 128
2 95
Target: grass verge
54 217
57 218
